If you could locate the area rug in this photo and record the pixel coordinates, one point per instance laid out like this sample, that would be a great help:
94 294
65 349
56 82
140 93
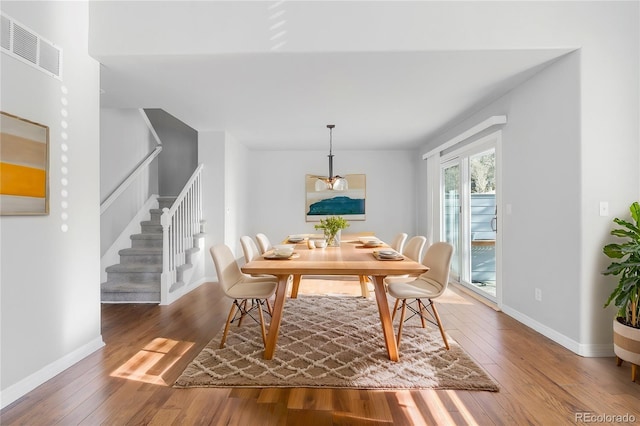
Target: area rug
334 342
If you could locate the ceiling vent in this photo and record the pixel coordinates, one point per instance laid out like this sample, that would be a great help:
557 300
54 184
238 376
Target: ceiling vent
27 46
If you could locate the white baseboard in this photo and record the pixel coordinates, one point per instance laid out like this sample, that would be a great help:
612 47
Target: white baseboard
111 256
585 350
26 385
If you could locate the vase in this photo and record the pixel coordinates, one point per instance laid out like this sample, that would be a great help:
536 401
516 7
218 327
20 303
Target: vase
333 240
626 345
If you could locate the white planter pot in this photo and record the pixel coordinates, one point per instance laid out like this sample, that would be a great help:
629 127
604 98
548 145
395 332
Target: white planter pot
626 345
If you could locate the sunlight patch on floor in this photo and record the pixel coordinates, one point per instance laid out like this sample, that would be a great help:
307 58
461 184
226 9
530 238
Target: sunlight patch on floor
152 361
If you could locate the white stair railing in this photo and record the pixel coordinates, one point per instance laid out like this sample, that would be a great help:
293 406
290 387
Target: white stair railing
180 224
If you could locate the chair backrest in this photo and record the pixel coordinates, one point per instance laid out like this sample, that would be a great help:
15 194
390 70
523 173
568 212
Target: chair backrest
438 259
398 242
263 243
414 247
227 268
249 248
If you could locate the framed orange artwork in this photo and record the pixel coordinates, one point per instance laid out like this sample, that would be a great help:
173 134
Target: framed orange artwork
24 166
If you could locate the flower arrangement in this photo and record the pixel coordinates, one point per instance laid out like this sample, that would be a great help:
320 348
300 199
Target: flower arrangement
331 226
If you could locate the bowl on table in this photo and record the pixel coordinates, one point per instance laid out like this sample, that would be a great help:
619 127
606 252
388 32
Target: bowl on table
372 242
283 250
388 254
321 243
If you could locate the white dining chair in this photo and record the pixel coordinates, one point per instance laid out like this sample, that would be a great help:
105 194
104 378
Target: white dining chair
429 285
398 242
251 252
263 243
242 289
413 248
249 248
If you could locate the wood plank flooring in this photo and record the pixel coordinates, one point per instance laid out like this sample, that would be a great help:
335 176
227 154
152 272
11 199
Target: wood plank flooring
128 382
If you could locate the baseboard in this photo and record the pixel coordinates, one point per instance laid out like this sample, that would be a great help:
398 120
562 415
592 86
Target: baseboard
26 385
111 256
597 350
585 350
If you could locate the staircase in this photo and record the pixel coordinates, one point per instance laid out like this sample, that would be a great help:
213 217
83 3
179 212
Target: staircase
137 278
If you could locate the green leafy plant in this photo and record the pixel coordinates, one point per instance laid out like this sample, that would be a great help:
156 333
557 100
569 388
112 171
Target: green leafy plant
626 295
331 225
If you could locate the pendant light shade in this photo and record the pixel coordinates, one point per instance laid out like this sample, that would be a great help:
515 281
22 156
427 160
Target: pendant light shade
332 183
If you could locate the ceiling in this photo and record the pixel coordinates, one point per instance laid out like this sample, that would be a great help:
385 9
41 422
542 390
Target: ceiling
283 99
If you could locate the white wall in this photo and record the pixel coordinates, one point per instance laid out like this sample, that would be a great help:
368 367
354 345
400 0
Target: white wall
211 152
251 191
49 290
125 141
541 184
592 157
236 181
610 132
276 193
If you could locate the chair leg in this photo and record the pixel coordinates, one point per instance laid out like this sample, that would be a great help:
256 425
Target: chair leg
269 308
226 326
634 370
364 288
421 308
404 308
395 309
435 313
243 311
264 332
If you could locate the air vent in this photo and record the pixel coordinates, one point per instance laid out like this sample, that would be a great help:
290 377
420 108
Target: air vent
26 45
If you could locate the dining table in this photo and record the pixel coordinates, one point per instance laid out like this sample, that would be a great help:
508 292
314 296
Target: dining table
350 258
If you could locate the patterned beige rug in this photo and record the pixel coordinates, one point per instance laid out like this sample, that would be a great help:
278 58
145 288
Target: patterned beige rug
334 342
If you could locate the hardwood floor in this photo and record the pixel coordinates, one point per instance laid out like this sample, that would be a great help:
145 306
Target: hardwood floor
148 346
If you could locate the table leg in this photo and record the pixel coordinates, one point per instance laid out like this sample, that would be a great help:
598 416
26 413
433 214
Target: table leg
294 287
276 317
385 318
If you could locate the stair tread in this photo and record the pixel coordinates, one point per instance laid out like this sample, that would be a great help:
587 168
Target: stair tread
134 267
147 236
151 223
184 267
129 287
141 250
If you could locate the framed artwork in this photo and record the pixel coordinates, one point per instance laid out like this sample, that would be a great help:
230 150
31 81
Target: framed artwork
24 166
350 203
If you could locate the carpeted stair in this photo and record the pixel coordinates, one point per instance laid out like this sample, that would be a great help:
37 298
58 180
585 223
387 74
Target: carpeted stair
136 279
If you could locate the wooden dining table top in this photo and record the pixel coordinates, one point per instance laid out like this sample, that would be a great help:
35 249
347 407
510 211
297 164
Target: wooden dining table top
350 258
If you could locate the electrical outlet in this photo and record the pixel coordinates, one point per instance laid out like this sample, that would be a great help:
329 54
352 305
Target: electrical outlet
604 208
538 294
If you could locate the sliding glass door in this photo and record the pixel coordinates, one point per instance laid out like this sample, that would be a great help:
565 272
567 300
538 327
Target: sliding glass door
451 212
469 216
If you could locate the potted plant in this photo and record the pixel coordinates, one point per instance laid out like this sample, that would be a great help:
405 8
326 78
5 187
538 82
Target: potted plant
332 226
626 296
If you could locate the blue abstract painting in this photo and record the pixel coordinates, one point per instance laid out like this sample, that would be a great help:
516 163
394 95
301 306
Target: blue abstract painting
349 203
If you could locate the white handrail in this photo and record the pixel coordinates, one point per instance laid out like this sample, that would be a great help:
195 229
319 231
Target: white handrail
185 190
180 227
152 129
125 184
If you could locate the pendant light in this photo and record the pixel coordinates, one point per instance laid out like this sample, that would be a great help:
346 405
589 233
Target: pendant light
333 183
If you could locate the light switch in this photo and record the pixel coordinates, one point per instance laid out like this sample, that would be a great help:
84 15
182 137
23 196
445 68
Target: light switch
604 208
